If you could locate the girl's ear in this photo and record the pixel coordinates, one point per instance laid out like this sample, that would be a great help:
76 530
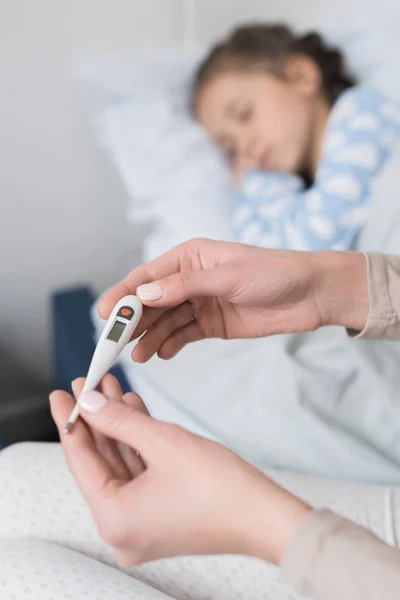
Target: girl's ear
303 72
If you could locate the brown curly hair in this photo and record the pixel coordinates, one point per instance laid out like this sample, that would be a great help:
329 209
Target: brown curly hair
262 47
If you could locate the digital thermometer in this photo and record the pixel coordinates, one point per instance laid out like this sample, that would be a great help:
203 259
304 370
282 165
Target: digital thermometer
116 334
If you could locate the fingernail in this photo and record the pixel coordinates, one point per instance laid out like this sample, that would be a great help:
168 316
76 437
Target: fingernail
92 401
51 396
150 291
73 386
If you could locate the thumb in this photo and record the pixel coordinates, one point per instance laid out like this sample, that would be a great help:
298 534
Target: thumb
176 289
120 422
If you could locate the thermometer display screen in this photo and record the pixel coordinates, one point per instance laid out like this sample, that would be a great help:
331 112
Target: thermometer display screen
116 331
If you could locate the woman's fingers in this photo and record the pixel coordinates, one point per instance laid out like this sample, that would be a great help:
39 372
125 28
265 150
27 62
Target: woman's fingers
175 289
122 459
179 339
149 317
131 458
161 330
111 389
121 422
100 441
160 267
91 471
77 386
193 256
136 402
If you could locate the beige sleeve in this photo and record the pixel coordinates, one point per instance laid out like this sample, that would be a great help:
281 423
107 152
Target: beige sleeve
332 558
383 320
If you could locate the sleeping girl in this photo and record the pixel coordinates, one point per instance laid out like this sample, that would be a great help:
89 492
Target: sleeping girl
304 142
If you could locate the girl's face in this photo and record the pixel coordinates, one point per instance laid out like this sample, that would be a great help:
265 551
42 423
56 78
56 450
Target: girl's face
263 122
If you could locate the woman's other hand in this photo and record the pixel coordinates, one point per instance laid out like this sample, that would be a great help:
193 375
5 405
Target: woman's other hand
182 495
204 289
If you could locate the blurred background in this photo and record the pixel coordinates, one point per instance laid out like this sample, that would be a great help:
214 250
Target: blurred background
63 222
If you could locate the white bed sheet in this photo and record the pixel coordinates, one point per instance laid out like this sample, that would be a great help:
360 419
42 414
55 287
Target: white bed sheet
312 403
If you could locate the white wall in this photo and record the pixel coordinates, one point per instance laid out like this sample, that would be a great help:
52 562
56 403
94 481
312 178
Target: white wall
213 18
62 206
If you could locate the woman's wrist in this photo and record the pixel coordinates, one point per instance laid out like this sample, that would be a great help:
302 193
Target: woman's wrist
272 520
340 287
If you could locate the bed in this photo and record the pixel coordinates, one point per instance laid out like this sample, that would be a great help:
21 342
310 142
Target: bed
310 403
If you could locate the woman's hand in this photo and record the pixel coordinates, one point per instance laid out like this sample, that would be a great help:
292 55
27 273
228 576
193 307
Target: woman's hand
184 495
205 289
121 458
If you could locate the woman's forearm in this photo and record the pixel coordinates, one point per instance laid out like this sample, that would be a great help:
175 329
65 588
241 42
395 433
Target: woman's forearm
330 557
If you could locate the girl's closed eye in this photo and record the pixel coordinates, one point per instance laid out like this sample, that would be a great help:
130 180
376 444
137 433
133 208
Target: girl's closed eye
245 114
240 111
231 155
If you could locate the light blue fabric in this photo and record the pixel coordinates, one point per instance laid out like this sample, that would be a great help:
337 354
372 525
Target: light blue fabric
275 210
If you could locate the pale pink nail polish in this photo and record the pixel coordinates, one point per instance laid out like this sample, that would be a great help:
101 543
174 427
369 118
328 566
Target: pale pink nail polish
92 401
150 291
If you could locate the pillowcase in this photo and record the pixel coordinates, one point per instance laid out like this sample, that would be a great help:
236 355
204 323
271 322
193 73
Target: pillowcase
372 54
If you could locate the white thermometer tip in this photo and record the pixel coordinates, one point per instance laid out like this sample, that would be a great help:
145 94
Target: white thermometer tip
72 419
68 427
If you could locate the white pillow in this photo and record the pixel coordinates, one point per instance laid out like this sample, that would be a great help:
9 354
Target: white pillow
175 175
372 54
